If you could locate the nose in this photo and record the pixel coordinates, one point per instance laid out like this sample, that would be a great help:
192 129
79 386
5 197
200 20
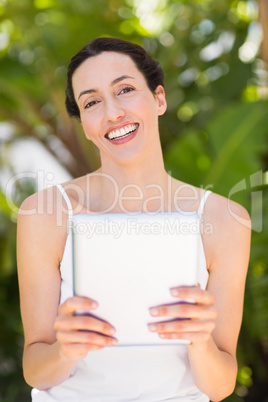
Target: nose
114 110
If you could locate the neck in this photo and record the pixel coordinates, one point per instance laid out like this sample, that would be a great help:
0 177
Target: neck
137 186
142 170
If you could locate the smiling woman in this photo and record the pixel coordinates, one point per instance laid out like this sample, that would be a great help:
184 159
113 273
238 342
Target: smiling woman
116 108
116 91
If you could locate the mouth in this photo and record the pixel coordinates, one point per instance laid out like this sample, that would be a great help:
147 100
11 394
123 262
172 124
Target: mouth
122 132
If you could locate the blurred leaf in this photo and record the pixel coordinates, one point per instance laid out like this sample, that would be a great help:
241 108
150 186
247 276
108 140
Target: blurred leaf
209 134
239 136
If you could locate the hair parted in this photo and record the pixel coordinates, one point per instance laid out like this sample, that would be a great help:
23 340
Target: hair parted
150 68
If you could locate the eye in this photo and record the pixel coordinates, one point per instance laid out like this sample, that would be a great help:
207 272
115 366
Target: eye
126 90
90 104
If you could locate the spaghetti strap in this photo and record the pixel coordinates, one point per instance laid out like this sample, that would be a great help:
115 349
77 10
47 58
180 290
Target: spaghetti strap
202 202
67 199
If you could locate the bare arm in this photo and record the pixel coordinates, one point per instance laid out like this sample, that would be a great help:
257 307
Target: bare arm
53 340
228 255
216 316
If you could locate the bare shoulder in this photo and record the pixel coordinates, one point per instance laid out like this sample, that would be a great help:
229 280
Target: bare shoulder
230 228
185 196
226 213
42 206
43 217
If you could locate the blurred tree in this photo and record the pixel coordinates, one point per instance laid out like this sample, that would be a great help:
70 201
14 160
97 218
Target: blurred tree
264 21
214 132
12 385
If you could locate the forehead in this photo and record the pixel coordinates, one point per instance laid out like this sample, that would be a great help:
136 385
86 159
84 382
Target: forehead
104 68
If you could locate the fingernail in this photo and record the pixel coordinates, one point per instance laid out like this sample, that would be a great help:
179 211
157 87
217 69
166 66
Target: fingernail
114 341
174 292
112 331
154 311
94 304
152 327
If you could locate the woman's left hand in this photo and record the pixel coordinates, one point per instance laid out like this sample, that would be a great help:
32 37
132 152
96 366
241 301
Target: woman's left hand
188 321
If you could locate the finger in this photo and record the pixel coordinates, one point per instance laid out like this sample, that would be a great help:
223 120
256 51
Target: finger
199 295
85 337
192 337
182 326
77 303
77 351
83 322
185 310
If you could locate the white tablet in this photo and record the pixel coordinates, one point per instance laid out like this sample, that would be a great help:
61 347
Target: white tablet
128 263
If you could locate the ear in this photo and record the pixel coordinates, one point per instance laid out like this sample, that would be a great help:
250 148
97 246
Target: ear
160 97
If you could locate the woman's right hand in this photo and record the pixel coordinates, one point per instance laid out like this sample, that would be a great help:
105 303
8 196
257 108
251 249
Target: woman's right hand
79 334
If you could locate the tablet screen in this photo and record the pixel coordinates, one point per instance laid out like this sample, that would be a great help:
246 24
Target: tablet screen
129 263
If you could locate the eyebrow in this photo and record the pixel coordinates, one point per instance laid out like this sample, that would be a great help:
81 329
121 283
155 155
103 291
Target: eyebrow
115 81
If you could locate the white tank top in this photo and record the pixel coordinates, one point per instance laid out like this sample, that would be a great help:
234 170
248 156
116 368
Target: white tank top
126 374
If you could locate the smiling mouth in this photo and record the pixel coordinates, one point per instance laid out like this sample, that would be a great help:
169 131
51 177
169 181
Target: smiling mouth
122 132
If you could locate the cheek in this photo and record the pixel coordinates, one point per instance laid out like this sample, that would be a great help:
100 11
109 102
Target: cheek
90 126
141 107
86 129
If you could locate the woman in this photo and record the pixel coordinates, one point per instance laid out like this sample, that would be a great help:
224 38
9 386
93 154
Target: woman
116 91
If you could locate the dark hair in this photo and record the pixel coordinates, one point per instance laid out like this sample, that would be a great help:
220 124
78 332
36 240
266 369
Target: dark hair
150 68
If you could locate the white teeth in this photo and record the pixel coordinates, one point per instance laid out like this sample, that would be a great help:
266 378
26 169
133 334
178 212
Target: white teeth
122 131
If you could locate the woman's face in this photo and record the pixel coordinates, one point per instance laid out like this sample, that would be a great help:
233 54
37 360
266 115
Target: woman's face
118 111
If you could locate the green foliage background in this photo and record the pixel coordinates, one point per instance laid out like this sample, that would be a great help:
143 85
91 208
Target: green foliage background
214 133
